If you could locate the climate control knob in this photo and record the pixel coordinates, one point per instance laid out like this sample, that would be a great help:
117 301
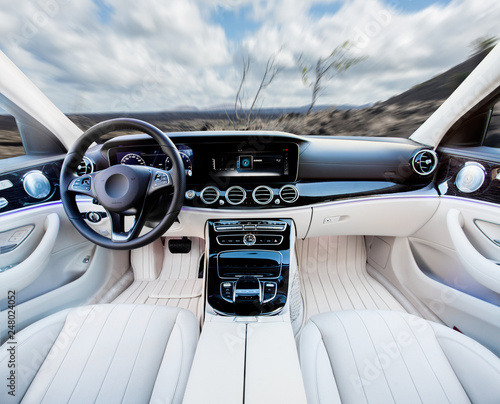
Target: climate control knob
249 239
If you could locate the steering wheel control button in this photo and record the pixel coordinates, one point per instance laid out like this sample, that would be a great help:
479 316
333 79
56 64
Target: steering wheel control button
81 184
36 185
160 180
249 239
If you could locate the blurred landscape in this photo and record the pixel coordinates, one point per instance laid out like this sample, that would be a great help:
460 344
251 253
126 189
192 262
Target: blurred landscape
398 116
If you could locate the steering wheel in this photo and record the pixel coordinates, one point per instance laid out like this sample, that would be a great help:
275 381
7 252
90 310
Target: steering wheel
123 190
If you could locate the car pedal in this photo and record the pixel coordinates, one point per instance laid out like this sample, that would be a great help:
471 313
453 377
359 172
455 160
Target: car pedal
179 246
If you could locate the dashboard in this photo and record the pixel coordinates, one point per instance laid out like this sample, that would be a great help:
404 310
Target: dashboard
269 170
259 170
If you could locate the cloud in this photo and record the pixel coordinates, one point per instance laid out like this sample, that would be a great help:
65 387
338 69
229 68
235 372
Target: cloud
402 48
124 55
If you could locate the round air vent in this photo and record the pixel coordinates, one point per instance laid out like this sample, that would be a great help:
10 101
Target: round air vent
235 195
86 166
262 195
424 162
289 193
209 195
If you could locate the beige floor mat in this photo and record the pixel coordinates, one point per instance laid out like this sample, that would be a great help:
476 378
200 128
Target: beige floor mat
333 276
178 284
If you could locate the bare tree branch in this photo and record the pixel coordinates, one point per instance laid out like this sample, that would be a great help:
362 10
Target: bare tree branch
270 73
326 68
238 103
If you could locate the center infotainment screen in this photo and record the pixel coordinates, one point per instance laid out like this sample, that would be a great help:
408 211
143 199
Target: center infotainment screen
276 160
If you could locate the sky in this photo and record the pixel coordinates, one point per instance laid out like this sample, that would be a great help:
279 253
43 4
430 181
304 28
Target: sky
158 55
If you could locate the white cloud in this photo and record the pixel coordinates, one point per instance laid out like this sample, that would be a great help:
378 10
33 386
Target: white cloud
403 48
156 55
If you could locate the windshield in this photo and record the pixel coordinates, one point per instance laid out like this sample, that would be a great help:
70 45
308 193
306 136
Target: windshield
315 67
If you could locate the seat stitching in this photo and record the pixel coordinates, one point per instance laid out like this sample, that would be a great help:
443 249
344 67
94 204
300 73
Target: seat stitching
182 352
137 353
425 355
139 350
316 368
163 354
40 331
352 353
376 352
65 355
114 353
90 354
401 355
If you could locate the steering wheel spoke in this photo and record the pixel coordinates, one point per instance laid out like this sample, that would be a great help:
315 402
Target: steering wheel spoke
118 233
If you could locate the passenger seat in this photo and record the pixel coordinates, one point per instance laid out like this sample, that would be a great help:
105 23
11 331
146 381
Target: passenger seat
390 357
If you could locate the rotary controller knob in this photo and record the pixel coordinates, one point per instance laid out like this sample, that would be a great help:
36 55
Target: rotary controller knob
249 239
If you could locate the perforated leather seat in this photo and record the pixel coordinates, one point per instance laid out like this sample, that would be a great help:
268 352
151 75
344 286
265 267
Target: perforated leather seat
104 354
390 357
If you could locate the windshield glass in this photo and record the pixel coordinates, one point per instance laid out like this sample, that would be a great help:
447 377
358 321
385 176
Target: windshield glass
314 67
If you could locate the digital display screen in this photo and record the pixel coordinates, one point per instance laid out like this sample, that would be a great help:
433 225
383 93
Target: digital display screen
266 163
151 156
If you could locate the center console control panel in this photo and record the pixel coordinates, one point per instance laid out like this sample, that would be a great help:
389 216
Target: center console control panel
248 264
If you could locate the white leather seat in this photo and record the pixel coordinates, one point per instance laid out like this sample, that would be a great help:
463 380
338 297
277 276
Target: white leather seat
103 354
391 357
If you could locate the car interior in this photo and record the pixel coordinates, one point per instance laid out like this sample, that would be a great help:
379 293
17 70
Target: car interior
140 266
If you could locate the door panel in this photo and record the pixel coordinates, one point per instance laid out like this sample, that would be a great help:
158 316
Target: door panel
482 269
43 259
16 275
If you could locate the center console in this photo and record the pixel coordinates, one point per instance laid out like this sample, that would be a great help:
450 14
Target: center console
248 266
249 319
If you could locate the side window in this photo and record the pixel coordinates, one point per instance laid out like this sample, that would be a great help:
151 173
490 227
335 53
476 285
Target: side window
492 138
10 140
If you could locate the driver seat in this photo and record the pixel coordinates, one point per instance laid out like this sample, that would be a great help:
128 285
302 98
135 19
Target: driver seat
104 354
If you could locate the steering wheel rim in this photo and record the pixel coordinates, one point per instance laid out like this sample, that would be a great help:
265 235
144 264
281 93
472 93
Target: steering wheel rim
132 177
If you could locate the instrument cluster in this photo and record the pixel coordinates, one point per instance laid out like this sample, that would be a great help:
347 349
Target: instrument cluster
151 156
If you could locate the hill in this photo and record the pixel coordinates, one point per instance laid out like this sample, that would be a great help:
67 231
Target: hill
399 116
